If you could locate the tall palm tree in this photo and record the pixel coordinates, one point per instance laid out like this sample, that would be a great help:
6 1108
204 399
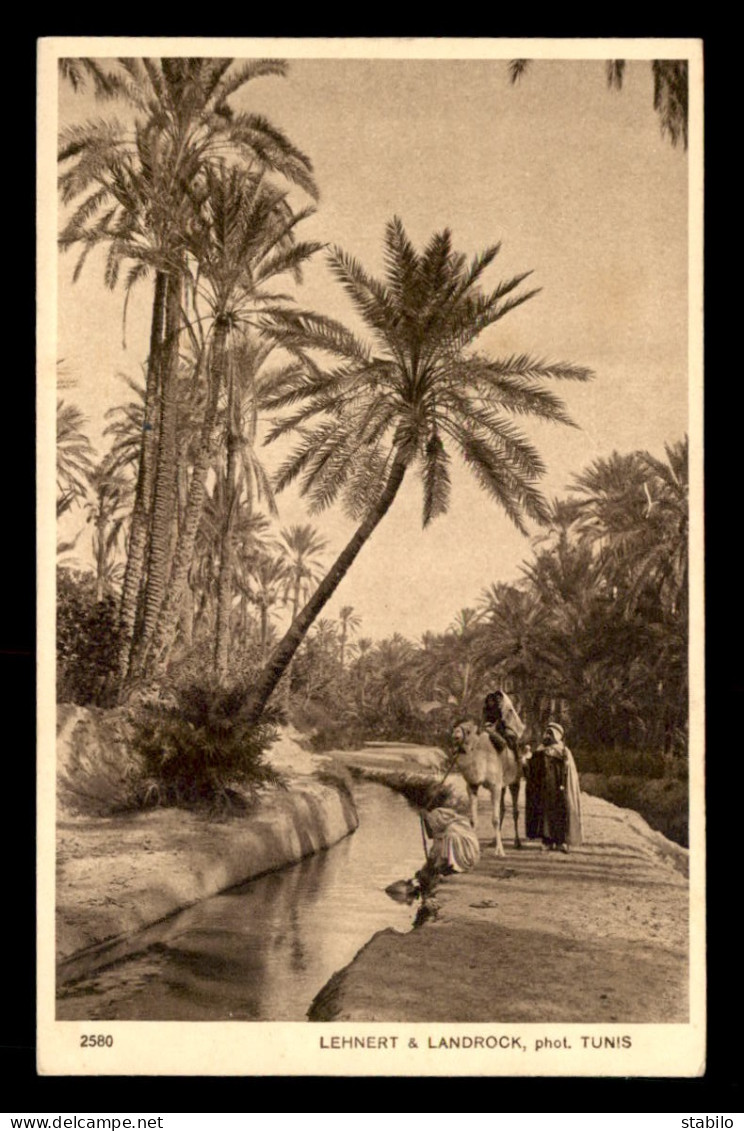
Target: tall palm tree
133 192
383 413
250 529
301 548
350 622
360 651
243 238
267 586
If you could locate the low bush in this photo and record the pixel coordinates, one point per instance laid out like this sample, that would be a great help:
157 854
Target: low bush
201 752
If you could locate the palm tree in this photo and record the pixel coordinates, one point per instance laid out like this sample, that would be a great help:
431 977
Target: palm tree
634 510
249 540
126 423
361 650
109 512
349 623
133 191
74 457
300 548
671 94
391 684
660 557
244 237
267 580
383 413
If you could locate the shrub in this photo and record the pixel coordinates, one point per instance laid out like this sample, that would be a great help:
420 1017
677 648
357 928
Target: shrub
200 751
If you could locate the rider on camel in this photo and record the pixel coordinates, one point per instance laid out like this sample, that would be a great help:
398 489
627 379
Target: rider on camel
501 722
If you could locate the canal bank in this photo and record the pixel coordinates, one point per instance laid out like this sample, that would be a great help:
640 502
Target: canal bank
118 874
598 935
260 951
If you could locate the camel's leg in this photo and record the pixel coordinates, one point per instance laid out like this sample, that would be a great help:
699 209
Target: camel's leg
473 795
514 790
496 803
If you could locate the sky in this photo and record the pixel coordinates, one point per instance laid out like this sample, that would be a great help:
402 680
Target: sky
577 183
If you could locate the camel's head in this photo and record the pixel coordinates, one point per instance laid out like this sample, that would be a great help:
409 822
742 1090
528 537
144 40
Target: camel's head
462 733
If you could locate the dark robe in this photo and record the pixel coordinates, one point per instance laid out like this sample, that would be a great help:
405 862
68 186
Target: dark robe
546 807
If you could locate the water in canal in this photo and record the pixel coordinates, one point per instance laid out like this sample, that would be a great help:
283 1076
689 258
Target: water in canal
260 952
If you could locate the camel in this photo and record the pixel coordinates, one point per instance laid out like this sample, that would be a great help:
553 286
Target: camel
481 764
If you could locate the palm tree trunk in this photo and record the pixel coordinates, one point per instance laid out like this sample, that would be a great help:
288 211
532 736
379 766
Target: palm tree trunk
140 514
167 624
297 631
100 559
186 618
225 575
290 667
164 497
264 630
224 581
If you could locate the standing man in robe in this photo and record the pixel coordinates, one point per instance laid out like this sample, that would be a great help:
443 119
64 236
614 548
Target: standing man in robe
553 796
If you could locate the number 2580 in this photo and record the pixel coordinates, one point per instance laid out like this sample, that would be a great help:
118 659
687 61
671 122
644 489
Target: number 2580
96 1041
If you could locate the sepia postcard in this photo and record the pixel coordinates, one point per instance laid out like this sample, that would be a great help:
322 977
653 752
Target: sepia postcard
370 516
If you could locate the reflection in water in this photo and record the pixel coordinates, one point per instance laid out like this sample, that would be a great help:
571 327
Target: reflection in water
262 951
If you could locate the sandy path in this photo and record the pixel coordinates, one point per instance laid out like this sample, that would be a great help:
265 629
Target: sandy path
598 935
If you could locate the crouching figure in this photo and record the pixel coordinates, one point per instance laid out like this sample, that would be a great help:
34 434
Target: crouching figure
454 847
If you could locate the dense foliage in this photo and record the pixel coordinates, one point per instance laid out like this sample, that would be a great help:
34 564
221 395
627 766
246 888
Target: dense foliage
198 750
86 641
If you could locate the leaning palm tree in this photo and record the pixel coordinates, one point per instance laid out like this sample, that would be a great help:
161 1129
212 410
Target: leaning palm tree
383 412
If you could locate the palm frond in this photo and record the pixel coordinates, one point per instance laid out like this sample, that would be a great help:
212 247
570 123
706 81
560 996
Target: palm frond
253 69
517 68
298 460
402 263
437 483
615 73
290 259
671 98
522 365
306 330
370 297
